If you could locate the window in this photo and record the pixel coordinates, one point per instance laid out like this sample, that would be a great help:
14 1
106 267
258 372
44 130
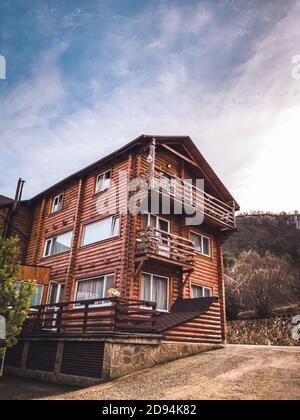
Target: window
36 299
101 230
57 203
200 291
56 293
58 244
155 289
103 182
94 288
202 243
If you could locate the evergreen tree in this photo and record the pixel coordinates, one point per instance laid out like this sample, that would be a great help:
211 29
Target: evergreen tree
14 302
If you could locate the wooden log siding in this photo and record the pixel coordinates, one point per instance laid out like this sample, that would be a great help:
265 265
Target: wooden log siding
204 329
40 274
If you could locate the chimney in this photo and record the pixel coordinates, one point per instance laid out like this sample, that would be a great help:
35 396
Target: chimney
19 192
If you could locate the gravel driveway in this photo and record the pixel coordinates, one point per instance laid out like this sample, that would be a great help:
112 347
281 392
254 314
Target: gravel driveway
231 373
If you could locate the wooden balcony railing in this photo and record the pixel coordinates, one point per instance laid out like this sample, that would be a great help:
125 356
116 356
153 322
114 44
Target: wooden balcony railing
97 316
191 196
158 243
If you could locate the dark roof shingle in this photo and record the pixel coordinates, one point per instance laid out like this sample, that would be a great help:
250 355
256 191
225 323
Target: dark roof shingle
183 310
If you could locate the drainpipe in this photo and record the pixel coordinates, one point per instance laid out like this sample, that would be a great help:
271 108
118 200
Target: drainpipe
151 161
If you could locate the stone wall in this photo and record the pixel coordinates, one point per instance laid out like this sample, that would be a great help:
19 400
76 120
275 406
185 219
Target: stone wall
123 357
271 332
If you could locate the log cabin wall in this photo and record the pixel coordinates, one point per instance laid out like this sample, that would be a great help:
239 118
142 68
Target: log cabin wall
20 225
81 206
3 219
207 270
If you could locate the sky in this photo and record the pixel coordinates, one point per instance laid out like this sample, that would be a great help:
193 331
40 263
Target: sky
85 77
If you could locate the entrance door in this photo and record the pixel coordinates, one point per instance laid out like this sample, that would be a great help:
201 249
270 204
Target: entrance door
55 295
163 225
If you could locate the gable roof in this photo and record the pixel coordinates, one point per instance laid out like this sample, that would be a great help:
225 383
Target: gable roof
5 201
186 141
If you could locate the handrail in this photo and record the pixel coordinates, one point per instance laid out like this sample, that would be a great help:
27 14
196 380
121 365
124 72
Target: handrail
163 244
115 315
180 189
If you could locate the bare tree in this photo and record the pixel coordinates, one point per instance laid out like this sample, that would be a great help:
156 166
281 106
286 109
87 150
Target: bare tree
262 282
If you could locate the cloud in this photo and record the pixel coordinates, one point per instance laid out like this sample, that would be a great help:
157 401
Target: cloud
171 70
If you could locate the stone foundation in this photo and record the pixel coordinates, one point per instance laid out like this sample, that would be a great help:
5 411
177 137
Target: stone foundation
125 357
271 332
89 361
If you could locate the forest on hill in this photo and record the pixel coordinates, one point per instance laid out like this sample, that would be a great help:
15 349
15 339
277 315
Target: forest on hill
267 232
262 263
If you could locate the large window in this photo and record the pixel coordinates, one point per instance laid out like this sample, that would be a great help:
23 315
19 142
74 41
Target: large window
94 288
57 203
36 299
202 243
58 244
155 289
101 230
103 182
201 291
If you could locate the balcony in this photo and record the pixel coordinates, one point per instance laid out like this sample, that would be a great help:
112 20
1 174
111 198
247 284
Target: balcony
164 246
92 317
215 211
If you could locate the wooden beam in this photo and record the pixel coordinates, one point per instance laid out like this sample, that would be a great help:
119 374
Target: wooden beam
178 154
141 263
188 274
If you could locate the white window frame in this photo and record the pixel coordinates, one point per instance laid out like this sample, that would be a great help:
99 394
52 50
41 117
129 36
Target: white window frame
59 285
51 240
60 198
202 237
97 181
99 305
204 288
117 216
151 290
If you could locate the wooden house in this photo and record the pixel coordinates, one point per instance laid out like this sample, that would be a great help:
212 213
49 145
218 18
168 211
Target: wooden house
78 239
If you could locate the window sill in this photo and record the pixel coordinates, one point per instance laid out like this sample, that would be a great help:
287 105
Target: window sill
103 241
48 257
98 193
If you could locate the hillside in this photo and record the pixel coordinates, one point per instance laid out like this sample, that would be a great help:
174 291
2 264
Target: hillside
279 234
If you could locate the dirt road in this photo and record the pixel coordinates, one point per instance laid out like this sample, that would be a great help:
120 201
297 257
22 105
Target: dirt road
232 373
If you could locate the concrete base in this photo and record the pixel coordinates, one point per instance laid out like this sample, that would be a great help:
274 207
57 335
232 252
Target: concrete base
122 356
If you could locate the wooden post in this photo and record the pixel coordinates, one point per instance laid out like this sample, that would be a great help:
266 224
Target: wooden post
59 318
85 318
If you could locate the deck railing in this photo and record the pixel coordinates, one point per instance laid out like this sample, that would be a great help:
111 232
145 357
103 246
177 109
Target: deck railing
96 316
192 196
152 241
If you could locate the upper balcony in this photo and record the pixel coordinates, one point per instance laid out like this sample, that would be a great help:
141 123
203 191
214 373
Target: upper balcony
164 246
215 211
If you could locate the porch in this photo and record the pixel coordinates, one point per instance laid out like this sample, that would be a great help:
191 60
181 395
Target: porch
90 344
